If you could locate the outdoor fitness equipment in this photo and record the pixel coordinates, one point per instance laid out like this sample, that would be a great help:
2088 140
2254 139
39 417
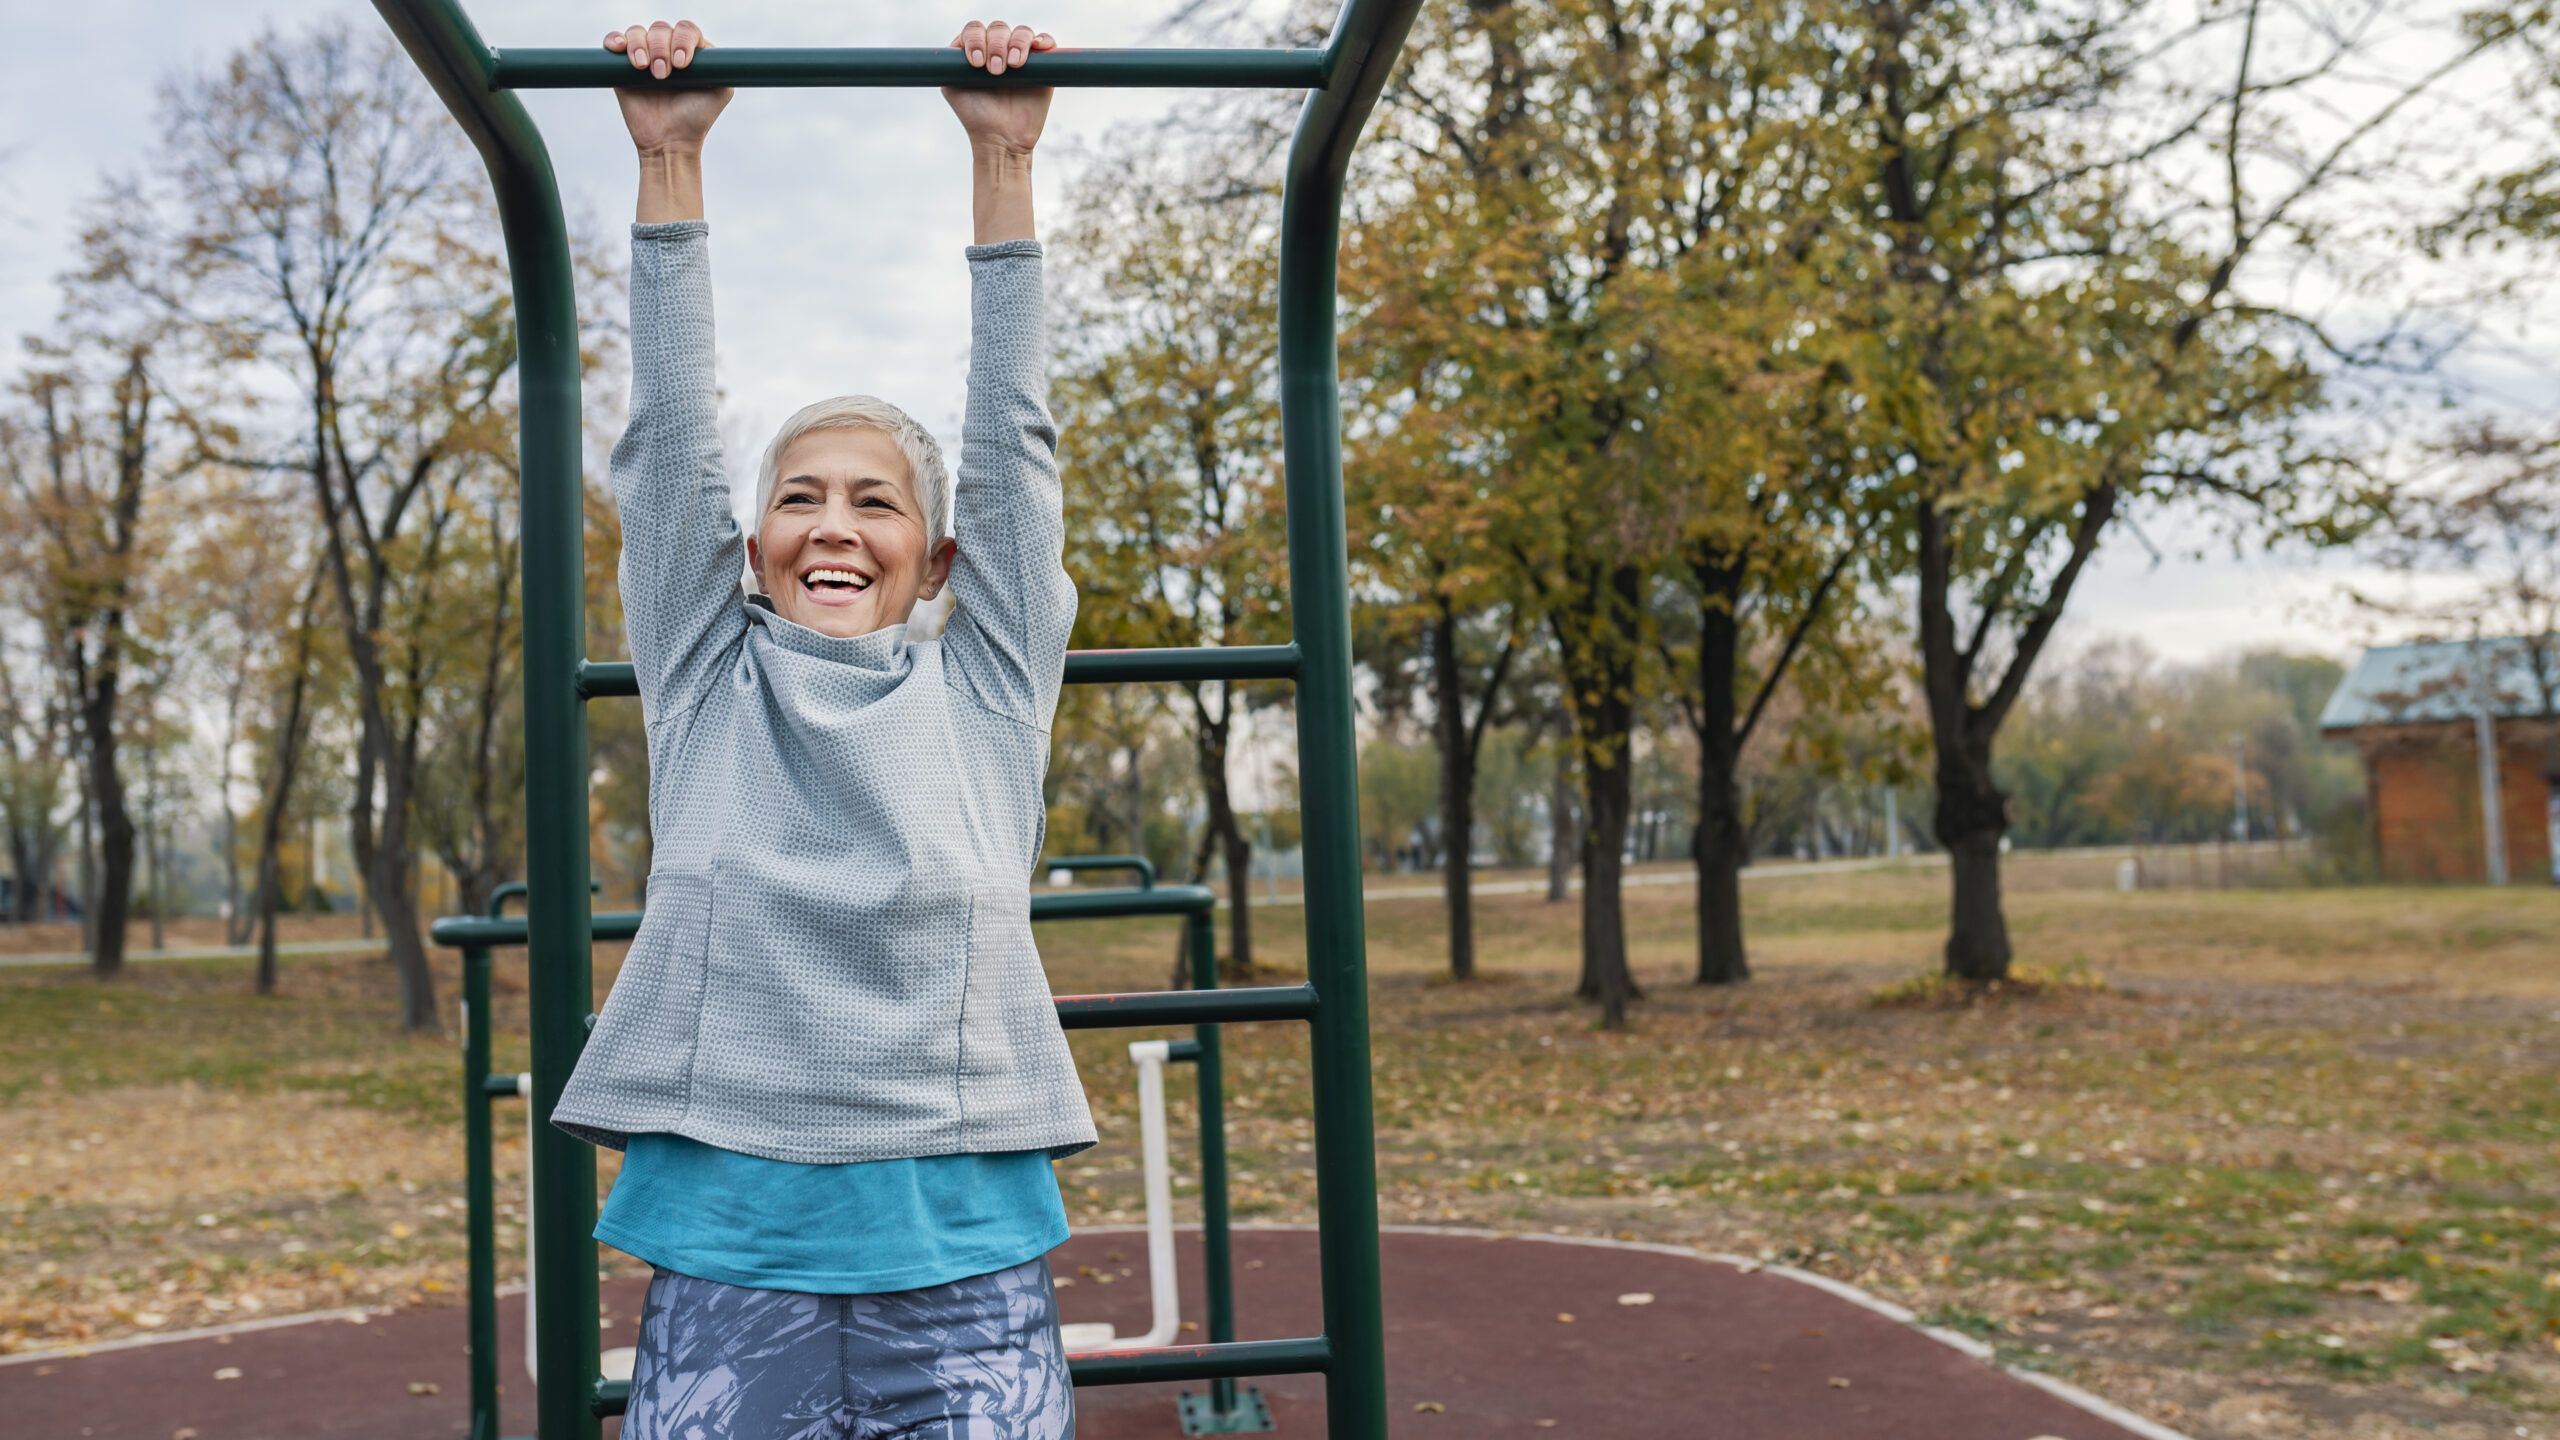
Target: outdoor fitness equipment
1343 78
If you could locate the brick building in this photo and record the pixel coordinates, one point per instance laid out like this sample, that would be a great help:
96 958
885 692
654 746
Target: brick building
2414 713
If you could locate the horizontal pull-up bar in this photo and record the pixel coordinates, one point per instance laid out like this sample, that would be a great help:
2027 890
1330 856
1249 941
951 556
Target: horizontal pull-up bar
776 68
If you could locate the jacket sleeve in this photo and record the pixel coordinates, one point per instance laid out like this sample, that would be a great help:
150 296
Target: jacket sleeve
682 557
1007 641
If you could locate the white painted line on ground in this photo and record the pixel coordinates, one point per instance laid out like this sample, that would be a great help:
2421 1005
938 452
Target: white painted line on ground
2062 1390
357 1314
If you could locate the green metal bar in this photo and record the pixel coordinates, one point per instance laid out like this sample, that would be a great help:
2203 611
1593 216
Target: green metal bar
1200 662
1145 867
1295 1356
480 1192
604 679
458 930
877 67
457 63
1218 1259
1105 904
1187 1007
1298 1355
1365 40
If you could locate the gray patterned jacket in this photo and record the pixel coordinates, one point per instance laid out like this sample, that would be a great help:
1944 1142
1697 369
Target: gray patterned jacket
836 962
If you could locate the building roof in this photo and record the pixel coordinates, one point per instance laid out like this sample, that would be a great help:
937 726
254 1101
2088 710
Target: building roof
2439 681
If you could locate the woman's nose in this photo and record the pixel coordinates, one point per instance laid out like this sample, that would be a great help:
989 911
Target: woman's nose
835 523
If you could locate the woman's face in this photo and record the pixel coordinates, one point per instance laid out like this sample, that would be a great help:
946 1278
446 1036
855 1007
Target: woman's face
841 546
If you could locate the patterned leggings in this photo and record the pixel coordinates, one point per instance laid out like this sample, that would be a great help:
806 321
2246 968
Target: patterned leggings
977 1359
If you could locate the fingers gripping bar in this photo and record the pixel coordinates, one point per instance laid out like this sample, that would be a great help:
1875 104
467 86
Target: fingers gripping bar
892 67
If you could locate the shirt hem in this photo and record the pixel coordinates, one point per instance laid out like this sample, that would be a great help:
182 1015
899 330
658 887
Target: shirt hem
913 1277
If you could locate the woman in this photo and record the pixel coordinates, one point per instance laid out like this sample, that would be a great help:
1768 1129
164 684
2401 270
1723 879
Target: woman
831 1054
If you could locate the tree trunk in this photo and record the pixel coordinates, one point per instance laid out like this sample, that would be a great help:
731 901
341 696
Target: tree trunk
88 862
1561 848
1224 838
1721 957
1457 792
1596 646
1607 805
112 903
235 925
395 894
1972 815
153 852
288 760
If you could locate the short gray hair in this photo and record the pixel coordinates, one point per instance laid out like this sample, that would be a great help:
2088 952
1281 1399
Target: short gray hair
923 454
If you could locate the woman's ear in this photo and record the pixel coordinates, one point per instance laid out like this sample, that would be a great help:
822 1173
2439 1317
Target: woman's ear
937 569
755 563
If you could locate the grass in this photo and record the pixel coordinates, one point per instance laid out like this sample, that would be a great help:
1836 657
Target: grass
2255 1163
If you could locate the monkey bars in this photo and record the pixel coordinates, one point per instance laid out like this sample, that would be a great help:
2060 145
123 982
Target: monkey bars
1344 78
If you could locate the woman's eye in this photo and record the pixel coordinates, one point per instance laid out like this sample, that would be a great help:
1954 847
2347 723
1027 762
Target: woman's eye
797 500
882 504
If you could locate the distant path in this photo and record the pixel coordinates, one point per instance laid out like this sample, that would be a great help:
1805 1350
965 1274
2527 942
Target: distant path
1384 889
206 952
1765 870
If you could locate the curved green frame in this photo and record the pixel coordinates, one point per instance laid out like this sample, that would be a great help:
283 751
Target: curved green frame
1344 78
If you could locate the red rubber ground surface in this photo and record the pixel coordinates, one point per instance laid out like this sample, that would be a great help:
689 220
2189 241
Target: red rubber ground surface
1472 1329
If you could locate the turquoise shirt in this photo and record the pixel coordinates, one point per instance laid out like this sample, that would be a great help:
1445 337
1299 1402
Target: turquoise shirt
862 1228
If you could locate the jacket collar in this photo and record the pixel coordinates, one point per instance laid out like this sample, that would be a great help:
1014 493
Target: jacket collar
883 651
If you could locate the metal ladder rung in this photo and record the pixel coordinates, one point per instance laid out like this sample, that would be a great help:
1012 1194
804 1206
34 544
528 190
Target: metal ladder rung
771 67
494 931
1239 1359
600 679
1187 1007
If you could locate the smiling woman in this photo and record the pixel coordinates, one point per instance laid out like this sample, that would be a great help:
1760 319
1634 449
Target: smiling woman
851 535
831 1054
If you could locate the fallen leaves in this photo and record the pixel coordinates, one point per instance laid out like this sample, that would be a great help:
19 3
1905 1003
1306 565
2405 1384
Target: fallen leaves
1636 1297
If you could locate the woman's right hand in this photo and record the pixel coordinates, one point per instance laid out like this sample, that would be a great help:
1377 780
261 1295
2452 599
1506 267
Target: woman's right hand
663 119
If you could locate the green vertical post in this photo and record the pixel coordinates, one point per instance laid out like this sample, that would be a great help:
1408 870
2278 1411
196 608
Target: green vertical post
1366 37
1218 1257
479 1190
459 65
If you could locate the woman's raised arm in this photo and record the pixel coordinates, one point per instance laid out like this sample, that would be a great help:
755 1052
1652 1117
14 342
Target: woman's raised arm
667 126
1003 126
1007 642
681 552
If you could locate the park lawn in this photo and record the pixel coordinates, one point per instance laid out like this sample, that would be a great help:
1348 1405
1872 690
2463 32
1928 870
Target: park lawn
2268 1163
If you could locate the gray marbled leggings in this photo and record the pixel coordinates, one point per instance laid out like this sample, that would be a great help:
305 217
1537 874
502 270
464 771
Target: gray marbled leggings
977 1359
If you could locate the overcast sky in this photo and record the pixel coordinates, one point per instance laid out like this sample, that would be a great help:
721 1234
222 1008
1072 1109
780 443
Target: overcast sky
838 219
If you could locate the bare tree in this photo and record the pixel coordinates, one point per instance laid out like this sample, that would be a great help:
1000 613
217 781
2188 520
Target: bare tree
332 230
85 501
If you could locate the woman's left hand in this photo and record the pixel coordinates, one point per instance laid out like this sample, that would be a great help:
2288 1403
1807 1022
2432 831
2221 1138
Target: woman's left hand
1008 119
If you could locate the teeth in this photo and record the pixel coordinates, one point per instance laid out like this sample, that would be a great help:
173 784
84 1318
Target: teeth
841 577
